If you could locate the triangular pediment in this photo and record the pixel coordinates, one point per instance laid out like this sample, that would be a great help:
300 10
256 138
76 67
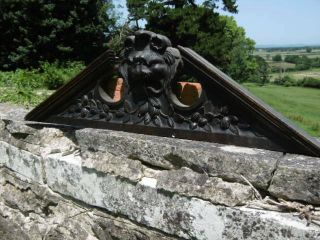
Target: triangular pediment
146 91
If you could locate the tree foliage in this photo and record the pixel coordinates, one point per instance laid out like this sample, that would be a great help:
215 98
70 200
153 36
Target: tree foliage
277 58
263 71
118 38
308 49
39 30
217 38
137 11
303 62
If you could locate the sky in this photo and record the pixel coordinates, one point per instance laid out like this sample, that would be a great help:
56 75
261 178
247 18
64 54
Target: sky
276 22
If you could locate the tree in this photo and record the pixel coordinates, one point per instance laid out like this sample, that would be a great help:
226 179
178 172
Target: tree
46 30
137 11
240 63
308 49
215 37
302 62
263 70
292 59
118 38
277 58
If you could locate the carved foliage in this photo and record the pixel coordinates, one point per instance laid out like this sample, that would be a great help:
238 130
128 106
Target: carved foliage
149 66
206 118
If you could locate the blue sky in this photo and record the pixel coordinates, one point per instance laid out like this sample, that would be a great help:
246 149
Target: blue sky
277 22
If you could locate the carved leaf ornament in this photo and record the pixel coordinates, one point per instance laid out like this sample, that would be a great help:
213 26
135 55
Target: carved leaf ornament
149 66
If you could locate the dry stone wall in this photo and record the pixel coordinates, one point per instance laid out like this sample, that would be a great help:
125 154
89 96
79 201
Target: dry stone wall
65 183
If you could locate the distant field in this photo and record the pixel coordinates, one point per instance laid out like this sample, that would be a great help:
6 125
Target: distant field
281 65
267 55
301 105
297 75
315 73
285 68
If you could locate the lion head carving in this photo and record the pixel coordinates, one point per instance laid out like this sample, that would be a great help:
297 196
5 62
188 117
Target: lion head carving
149 60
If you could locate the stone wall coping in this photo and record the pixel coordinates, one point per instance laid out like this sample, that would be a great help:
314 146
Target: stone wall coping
181 188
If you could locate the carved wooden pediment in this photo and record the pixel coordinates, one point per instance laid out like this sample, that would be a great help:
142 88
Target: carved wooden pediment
140 92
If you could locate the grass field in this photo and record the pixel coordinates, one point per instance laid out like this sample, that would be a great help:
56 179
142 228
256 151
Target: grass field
301 52
301 105
21 96
283 68
297 75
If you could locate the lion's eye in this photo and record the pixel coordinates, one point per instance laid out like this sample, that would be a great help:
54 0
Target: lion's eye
157 44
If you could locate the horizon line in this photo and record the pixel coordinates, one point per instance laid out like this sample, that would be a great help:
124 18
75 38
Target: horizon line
287 45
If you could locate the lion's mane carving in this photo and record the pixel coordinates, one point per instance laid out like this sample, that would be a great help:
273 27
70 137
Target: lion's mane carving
149 61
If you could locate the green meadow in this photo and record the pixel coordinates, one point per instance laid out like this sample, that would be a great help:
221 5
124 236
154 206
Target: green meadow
296 75
300 105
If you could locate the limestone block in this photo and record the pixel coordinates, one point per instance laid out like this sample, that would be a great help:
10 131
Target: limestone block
18 134
114 165
134 146
227 162
10 230
297 177
22 162
186 182
230 162
25 197
21 128
52 140
183 181
11 111
2 126
174 214
32 211
102 184
4 157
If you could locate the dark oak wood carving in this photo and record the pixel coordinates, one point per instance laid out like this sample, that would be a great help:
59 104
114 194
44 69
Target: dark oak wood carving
151 68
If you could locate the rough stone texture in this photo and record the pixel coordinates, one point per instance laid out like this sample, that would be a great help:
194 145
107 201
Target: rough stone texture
183 181
31 211
117 166
227 162
38 213
23 162
298 178
39 141
186 182
100 184
11 111
172 213
9 230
